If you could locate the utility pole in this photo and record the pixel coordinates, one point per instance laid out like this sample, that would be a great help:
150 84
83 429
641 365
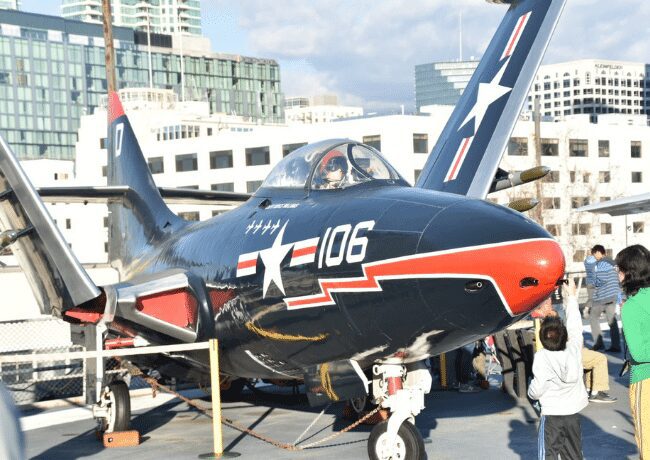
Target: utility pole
537 212
108 46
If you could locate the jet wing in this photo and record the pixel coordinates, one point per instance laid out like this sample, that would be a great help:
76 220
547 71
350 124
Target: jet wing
89 194
465 158
621 206
56 276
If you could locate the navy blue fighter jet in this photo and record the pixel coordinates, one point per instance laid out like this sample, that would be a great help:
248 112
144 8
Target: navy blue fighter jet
335 272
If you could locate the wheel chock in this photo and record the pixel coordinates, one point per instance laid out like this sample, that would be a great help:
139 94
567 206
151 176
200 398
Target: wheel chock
122 438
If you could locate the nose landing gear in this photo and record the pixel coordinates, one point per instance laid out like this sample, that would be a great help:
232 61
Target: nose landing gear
401 389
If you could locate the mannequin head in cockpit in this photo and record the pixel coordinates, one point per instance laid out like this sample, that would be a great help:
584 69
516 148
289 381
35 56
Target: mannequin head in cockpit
333 169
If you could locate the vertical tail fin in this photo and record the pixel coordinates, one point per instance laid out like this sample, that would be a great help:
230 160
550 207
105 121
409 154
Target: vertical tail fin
144 218
470 147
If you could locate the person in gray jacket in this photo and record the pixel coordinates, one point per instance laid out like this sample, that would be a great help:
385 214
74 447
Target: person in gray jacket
558 383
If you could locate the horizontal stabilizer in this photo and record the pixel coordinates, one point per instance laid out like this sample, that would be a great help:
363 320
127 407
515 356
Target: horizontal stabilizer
170 195
56 277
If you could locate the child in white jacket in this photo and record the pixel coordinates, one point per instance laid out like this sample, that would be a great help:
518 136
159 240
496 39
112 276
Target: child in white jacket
558 383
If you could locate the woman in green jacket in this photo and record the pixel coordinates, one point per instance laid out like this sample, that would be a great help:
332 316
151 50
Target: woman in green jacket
633 265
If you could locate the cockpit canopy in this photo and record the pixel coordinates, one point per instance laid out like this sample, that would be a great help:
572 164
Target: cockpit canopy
331 164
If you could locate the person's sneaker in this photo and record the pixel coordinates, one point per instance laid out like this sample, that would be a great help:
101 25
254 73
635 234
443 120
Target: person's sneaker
467 388
601 397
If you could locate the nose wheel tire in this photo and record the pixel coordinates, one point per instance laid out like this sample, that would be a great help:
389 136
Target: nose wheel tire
408 444
118 403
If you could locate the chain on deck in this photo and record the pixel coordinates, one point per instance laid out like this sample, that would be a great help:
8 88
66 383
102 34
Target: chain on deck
155 386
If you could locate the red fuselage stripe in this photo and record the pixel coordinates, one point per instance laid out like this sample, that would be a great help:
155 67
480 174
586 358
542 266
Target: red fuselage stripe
542 259
247 264
304 251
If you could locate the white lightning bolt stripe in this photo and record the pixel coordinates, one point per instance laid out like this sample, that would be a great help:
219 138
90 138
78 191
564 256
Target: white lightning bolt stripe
247 264
515 36
459 159
304 252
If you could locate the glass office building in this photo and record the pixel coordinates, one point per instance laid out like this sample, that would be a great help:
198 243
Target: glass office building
161 16
52 72
441 83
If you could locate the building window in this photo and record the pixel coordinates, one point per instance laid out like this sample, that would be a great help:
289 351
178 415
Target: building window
579 201
190 215
253 185
580 229
604 177
603 149
256 156
104 171
186 162
637 177
550 147
373 141
420 143
578 147
221 159
288 148
223 187
579 255
102 143
553 176
554 229
637 227
605 228
105 222
572 176
156 165
518 146
68 224
551 203
635 149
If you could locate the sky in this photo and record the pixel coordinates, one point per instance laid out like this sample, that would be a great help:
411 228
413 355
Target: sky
365 51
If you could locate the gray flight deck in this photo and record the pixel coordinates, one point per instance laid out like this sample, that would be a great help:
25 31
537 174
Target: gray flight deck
487 424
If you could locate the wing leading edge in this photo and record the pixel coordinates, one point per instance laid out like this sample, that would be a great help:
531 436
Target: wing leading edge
466 157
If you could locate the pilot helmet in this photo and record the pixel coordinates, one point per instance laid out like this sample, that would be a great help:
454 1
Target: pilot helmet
333 161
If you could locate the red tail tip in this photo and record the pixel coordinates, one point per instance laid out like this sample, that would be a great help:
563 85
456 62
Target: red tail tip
115 109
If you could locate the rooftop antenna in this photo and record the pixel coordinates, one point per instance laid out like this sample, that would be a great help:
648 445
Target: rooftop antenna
460 35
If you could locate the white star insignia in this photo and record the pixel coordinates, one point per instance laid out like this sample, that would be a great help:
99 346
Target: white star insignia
487 94
272 258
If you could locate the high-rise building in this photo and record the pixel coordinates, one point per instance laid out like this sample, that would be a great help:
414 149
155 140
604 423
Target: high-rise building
9 4
592 86
161 16
441 83
54 72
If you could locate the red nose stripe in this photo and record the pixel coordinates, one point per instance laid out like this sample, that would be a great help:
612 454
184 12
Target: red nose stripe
504 264
115 109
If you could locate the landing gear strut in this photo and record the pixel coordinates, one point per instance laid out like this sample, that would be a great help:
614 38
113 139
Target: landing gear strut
401 389
113 410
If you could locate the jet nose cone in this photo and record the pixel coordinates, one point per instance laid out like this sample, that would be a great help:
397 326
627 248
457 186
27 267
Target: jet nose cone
528 272
479 241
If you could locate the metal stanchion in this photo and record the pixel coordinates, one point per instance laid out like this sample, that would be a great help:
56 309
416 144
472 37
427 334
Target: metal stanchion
216 406
443 371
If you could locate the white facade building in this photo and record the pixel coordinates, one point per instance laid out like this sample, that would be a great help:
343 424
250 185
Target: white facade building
160 16
186 147
317 109
592 86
